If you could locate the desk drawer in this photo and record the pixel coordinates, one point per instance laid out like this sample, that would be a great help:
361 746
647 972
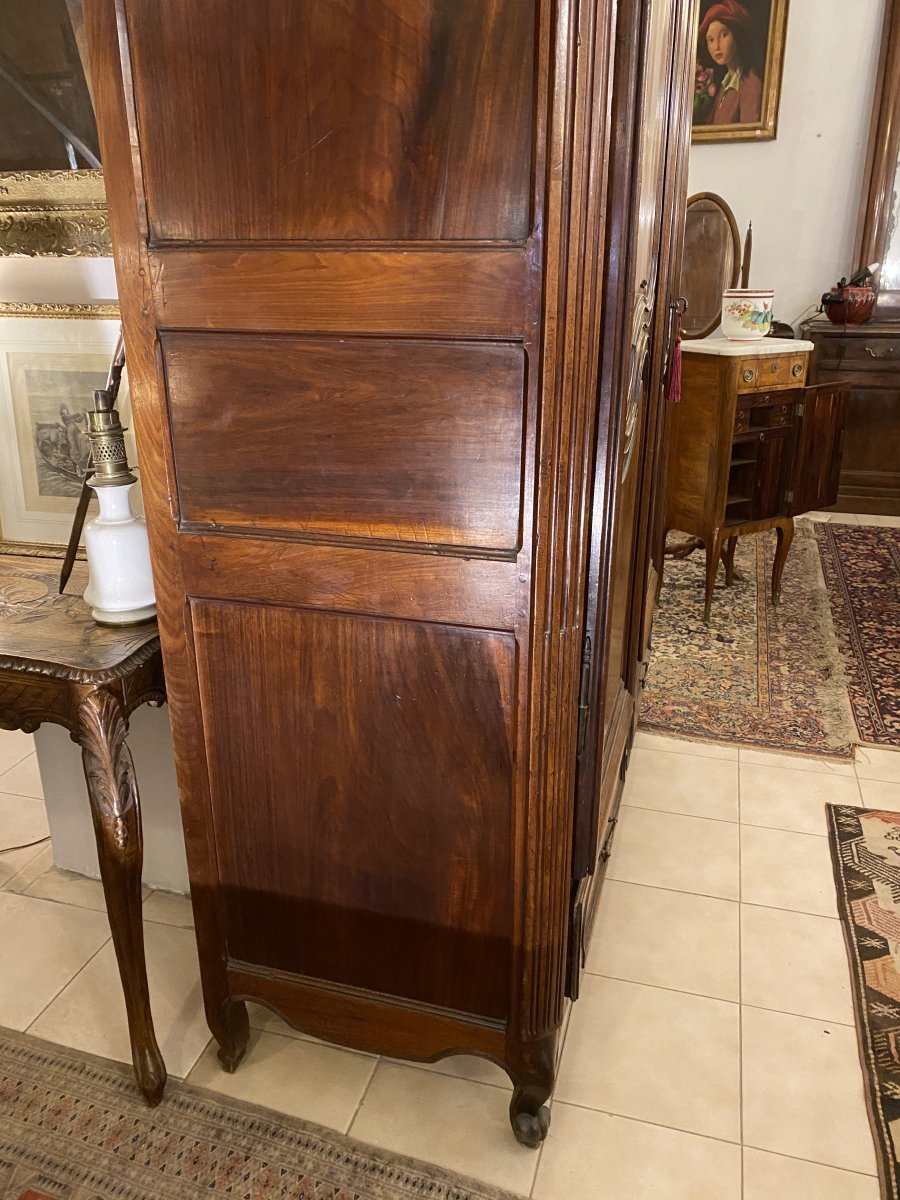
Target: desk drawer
763 411
872 353
772 371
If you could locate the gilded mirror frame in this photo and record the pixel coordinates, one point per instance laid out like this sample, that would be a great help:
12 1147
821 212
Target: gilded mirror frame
54 213
882 174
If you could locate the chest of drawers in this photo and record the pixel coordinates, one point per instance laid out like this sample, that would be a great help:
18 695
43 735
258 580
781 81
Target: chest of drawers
868 357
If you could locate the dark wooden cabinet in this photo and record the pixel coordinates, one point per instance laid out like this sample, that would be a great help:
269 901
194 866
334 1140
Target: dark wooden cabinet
868 357
395 283
750 447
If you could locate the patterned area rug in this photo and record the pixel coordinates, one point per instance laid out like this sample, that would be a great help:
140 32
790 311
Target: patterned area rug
758 674
865 853
862 572
73 1127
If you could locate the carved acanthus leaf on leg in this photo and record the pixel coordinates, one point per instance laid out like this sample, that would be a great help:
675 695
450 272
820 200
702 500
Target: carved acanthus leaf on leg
107 760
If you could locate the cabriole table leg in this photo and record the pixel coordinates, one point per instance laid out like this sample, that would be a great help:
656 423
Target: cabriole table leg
115 809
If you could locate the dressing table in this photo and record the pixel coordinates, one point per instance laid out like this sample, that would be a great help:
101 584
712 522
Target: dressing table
750 447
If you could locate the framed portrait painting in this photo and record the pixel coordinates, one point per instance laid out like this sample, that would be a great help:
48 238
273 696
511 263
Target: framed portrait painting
737 81
50 365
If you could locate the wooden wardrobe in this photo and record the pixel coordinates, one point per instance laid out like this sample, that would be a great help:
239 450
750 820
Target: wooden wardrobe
395 282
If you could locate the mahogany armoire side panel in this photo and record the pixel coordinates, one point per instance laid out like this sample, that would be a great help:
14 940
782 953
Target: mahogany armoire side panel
358 247
447 419
388 121
419 906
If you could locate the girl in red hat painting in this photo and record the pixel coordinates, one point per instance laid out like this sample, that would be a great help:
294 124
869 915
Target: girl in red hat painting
729 87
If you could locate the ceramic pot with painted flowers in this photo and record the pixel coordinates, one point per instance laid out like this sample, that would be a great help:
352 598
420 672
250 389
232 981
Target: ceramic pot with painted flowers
747 313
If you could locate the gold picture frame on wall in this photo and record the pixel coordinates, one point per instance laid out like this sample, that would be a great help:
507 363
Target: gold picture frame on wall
737 80
54 213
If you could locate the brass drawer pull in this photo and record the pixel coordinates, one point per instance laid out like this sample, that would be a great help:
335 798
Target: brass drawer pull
879 354
748 376
797 370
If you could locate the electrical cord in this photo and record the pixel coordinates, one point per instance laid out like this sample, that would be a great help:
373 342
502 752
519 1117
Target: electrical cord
25 845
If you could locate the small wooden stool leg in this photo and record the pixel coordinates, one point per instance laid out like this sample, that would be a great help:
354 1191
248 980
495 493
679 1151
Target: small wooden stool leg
728 560
785 532
115 809
713 549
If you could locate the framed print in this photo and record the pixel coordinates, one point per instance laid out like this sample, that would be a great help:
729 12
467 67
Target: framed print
50 365
737 81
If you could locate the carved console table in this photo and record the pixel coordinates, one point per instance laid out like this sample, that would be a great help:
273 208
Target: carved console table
58 665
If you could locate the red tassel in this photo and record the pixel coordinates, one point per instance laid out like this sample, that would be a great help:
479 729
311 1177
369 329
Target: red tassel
673 384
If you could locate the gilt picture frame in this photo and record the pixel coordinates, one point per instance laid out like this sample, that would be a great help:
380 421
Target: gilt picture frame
739 62
54 214
52 357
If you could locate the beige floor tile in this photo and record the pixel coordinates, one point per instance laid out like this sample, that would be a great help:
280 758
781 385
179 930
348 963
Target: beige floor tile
467 1066
671 939
301 1078
774 1177
878 519
34 863
647 740
271 1022
878 762
14 746
787 870
795 963
43 946
23 823
657 1055
803 1091
878 794
595 1156
24 779
14 862
455 1123
793 800
68 887
686 854
682 783
796 762
170 908
90 1013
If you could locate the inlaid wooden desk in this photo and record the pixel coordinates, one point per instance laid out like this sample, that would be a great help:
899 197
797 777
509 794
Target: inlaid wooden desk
750 447
58 665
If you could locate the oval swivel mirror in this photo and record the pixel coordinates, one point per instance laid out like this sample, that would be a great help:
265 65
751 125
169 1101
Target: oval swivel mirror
711 262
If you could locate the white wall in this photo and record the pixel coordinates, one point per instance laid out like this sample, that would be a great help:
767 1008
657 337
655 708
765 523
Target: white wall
58 280
802 191
65 794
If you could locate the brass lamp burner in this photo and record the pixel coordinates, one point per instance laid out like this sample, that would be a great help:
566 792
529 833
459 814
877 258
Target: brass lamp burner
108 458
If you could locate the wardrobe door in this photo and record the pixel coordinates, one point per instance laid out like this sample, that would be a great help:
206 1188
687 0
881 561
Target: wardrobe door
651 130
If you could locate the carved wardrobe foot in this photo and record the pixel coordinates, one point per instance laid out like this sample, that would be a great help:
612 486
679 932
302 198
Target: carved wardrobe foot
533 1073
230 1027
115 810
